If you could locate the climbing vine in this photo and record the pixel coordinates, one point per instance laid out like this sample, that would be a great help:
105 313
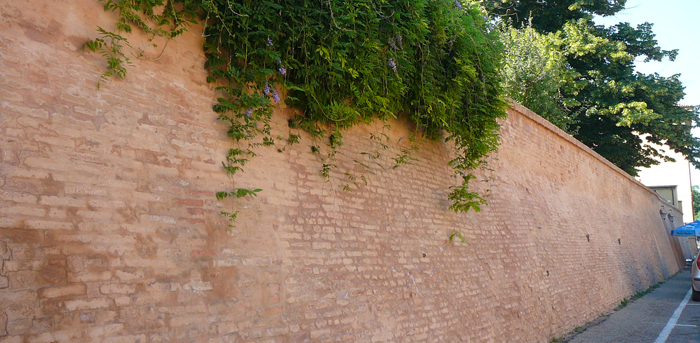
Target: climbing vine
341 62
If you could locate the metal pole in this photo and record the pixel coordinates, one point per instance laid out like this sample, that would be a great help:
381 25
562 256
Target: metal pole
690 178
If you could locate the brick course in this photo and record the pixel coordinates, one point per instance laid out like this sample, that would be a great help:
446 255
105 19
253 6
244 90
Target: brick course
109 228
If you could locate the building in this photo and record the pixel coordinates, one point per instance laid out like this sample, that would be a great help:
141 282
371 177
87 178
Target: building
673 181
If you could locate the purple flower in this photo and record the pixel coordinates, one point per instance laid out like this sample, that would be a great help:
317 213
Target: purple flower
266 90
458 5
281 68
392 43
269 42
396 43
275 96
392 65
249 112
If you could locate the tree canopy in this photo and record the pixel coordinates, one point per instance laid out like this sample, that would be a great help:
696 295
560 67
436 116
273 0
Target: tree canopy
594 92
551 15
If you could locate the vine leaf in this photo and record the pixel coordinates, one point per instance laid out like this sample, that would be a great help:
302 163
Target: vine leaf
238 193
378 60
457 234
110 46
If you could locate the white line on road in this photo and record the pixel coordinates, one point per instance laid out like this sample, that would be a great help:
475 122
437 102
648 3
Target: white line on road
663 336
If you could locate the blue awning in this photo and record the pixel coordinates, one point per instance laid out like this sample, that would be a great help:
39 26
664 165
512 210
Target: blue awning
688 230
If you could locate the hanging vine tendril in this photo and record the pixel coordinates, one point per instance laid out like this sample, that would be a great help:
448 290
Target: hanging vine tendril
432 62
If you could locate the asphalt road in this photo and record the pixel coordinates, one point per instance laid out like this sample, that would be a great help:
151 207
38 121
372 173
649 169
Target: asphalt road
661 316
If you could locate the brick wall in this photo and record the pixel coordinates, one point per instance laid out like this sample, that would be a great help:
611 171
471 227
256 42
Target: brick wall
109 228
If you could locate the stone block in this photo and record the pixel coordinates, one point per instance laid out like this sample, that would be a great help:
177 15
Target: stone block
62 291
117 289
87 304
4 251
3 324
22 279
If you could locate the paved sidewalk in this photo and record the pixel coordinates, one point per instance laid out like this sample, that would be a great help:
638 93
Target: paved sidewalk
644 319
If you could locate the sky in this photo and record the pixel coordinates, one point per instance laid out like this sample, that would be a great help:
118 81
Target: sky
676 26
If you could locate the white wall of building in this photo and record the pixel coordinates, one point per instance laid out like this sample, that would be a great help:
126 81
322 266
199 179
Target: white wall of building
672 174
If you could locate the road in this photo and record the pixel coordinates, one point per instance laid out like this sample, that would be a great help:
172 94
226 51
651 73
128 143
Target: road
666 315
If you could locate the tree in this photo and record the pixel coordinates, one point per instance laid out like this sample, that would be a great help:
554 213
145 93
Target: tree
550 15
614 109
536 75
618 105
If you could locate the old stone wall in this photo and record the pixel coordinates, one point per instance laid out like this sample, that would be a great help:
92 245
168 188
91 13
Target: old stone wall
110 230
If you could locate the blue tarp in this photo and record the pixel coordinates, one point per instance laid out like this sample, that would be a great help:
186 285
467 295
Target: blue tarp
688 230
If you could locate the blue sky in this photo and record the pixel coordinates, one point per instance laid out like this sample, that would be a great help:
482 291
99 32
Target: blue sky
677 26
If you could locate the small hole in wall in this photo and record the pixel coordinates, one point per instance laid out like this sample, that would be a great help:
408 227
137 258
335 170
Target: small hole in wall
424 255
588 237
548 273
619 241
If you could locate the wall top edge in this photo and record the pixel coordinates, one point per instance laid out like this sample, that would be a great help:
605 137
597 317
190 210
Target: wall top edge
526 112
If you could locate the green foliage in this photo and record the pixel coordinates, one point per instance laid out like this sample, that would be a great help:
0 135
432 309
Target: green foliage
598 97
238 193
620 108
535 74
462 199
551 15
231 216
433 63
171 22
638 294
651 288
110 46
458 235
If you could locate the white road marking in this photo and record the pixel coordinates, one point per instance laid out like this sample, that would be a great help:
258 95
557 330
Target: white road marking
663 336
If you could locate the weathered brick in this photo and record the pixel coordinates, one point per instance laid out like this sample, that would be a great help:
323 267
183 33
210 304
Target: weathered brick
117 289
23 279
106 203
127 339
101 332
3 324
22 211
62 201
4 250
87 304
190 202
48 225
119 184
88 276
18 326
61 291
